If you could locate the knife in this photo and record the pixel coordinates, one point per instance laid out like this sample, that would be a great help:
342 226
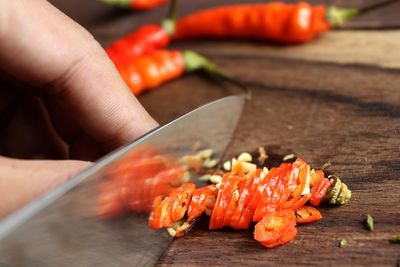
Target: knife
61 228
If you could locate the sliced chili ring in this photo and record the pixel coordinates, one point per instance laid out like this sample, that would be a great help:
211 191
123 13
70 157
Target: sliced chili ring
295 204
272 192
200 199
234 200
320 192
307 214
260 195
273 227
226 197
288 236
243 199
213 219
317 177
303 168
181 202
246 216
162 213
280 188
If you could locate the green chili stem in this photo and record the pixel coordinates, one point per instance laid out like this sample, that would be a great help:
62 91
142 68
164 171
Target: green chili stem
168 24
173 10
120 3
195 62
338 16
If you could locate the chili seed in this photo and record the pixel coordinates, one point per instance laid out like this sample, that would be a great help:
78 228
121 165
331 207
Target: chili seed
245 157
227 165
288 157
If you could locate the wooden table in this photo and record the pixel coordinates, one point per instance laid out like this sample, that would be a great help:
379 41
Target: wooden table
335 99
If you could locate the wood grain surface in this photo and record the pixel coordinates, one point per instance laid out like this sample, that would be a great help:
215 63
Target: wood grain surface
348 115
322 106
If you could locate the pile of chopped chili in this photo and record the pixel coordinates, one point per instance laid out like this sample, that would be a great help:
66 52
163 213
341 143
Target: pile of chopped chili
274 200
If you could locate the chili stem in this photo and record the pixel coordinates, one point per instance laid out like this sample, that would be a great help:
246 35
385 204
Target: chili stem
173 10
221 75
196 62
120 3
168 24
338 16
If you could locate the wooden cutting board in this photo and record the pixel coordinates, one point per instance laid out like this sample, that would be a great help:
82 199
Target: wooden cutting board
349 115
335 99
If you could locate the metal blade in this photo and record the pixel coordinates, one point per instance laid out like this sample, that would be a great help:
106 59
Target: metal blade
63 227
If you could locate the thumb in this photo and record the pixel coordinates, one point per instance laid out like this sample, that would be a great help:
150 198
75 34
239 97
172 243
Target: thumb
21 181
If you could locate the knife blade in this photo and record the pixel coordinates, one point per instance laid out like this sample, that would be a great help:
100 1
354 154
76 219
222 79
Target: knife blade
62 229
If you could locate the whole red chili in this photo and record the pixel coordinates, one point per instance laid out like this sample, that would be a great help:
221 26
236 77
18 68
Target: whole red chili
151 70
146 39
274 21
136 4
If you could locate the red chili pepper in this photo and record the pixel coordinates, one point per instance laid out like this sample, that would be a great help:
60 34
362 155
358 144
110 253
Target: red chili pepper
318 193
172 208
245 196
224 198
299 203
181 203
256 190
275 21
303 170
145 40
273 186
162 213
236 190
135 4
307 214
276 228
149 71
286 236
202 199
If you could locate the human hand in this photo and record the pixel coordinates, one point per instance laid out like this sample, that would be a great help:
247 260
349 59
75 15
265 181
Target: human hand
77 106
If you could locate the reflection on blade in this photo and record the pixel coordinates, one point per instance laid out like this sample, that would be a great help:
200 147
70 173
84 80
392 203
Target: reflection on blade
99 218
132 183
